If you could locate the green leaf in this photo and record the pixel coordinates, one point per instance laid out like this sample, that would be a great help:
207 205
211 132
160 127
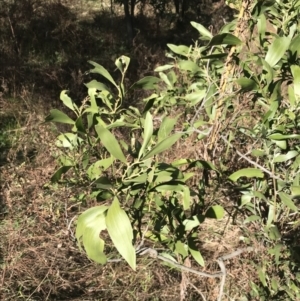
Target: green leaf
286 157
68 101
103 183
262 276
247 84
79 125
246 172
224 39
163 145
287 201
139 179
148 132
163 68
102 71
110 142
202 30
122 63
281 143
89 225
186 198
252 218
62 170
258 153
68 140
188 66
165 78
121 233
195 252
295 191
181 249
295 45
277 50
195 97
162 177
91 241
216 211
171 186
96 169
147 83
58 116
96 85
181 49
278 136
166 127
296 75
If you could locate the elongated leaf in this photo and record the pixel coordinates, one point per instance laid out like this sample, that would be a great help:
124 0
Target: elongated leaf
103 183
277 50
252 218
147 83
286 157
195 252
181 249
172 186
163 176
110 142
202 30
59 116
121 233
163 145
139 179
165 78
188 66
163 68
287 201
247 84
89 225
295 190
181 49
224 39
68 140
216 211
246 172
195 97
96 85
88 216
91 241
295 44
296 75
186 198
101 70
56 177
148 132
97 168
68 101
278 136
166 127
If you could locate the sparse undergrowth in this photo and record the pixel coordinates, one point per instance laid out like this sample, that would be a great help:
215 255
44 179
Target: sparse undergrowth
206 164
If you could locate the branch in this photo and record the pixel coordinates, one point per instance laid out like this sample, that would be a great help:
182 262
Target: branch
252 162
153 253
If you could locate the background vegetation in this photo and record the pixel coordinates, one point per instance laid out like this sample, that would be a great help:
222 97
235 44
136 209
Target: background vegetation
184 124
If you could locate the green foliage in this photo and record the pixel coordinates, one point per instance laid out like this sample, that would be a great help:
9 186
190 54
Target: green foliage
128 170
121 154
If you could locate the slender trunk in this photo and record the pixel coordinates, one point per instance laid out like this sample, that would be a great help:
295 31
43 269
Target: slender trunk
132 6
128 21
177 7
183 8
